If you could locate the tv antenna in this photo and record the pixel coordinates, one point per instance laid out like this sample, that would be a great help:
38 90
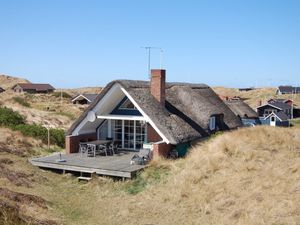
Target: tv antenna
149 48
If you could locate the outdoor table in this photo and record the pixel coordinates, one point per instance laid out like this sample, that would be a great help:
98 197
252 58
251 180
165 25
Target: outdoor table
95 144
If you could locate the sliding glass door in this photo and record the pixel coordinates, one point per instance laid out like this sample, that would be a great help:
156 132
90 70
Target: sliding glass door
132 134
129 137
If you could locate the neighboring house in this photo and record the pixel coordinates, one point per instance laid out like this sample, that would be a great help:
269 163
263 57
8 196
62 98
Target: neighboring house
275 113
247 115
296 110
33 88
164 115
281 90
84 99
267 109
1 90
276 119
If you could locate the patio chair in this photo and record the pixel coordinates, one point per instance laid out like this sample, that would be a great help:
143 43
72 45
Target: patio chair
101 149
83 148
91 151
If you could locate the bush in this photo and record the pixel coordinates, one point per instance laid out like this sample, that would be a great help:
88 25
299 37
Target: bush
21 101
57 136
8 117
63 94
15 121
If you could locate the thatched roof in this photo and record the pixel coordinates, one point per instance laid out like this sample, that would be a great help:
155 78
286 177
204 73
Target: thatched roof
186 114
241 109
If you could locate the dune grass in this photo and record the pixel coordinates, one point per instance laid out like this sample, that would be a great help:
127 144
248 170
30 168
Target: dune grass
247 176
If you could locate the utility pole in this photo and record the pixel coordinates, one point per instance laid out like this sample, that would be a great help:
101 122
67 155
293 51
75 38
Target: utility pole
48 129
47 126
292 110
161 58
149 48
61 96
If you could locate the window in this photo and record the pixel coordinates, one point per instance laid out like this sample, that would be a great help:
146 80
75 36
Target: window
273 118
132 134
212 123
269 111
127 105
103 130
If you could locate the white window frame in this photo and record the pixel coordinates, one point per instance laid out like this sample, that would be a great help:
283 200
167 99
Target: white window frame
112 124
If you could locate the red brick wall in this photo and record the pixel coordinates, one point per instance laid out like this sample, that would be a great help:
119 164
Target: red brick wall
158 85
152 135
72 142
162 149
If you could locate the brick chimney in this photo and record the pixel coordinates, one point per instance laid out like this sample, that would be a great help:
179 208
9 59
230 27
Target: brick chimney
158 85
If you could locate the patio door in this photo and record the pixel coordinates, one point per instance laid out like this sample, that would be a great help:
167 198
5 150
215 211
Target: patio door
131 133
129 137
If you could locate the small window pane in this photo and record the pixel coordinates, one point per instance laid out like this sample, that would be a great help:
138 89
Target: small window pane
127 105
212 123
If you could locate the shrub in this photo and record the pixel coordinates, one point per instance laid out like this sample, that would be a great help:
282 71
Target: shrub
15 121
57 136
8 117
21 101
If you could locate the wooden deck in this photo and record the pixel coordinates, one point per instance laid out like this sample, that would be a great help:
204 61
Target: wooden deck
116 166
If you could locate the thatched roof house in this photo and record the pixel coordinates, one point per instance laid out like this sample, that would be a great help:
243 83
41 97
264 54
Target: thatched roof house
165 114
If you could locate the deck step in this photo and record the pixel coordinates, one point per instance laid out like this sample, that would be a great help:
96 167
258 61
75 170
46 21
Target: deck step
84 178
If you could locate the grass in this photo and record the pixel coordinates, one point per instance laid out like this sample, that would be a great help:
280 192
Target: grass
296 122
21 101
247 176
152 175
38 151
66 114
63 94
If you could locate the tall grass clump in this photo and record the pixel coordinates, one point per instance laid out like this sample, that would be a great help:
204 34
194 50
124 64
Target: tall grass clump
21 101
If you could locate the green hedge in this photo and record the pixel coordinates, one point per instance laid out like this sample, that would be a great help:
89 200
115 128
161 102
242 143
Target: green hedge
13 120
8 117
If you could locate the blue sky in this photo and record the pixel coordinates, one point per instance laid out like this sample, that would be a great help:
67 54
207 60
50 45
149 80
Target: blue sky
74 43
